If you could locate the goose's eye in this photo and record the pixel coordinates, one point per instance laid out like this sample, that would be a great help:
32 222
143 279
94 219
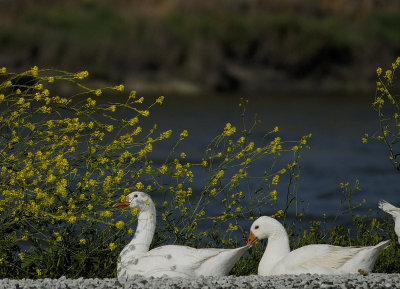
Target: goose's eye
135 196
256 227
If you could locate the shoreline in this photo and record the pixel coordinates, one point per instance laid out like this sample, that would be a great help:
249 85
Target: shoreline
372 280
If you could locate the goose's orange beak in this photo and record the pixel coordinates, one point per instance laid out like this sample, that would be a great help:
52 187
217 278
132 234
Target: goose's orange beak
252 239
122 205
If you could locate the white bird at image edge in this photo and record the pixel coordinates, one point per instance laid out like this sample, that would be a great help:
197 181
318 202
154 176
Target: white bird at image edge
395 212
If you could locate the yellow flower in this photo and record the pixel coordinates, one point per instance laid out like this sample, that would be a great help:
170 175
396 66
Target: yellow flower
39 272
273 194
109 128
232 228
21 100
229 130
120 87
51 179
120 224
72 219
112 246
98 92
106 214
59 239
139 186
145 113
163 169
82 241
213 192
241 140
278 214
183 155
82 74
275 180
90 207
34 71
130 231
25 237
184 134
50 79
3 70
160 100
276 129
379 71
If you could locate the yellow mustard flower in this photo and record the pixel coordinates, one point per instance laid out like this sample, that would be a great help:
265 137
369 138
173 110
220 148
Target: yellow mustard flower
112 246
120 87
184 134
82 74
120 224
160 100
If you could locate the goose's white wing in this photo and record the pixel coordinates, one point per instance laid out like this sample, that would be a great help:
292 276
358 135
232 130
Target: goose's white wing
327 259
183 261
389 208
395 212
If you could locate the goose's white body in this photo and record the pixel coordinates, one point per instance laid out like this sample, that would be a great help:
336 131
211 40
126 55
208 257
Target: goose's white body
313 259
169 260
395 212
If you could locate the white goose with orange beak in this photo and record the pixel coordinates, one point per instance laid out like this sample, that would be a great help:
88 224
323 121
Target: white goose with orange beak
313 259
169 260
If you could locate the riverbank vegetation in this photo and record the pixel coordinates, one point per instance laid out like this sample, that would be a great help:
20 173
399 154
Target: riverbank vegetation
205 45
65 159
68 154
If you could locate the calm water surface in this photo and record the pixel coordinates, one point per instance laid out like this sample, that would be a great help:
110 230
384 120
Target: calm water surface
337 124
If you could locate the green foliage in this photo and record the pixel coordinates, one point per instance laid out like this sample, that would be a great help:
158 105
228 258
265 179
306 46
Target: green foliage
66 159
386 105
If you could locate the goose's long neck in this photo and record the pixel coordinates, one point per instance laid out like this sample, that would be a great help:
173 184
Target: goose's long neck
277 248
144 231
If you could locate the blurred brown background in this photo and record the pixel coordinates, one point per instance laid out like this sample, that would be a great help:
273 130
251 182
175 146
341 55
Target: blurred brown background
188 46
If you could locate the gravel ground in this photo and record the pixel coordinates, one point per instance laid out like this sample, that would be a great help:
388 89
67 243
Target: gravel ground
285 281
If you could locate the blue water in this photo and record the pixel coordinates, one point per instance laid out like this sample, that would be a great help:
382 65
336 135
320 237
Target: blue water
337 154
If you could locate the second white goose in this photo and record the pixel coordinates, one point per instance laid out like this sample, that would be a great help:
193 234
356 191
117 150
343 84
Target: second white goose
313 259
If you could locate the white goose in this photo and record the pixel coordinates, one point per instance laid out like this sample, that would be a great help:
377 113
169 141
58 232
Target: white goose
169 260
314 259
395 212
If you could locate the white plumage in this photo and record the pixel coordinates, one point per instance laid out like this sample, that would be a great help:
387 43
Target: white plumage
313 259
395 212
169 260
